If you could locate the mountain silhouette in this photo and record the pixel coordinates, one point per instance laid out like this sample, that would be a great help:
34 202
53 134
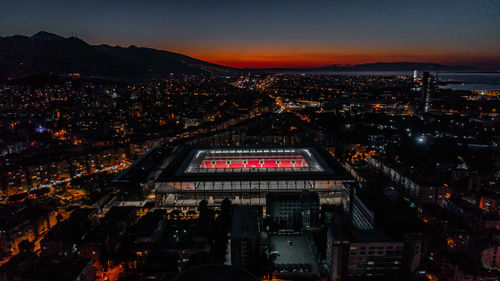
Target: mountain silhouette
43 35
50 53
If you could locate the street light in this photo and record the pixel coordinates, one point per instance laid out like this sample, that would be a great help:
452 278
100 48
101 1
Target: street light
421 139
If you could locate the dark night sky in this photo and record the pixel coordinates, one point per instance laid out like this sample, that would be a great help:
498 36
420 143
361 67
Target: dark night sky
275 32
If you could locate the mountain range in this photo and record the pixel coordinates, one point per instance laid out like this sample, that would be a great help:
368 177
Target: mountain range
49 53
45 52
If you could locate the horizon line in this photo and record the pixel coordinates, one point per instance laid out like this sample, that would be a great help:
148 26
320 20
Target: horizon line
259 65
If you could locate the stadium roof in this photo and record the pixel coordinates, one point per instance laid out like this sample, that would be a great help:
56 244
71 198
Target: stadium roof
252 163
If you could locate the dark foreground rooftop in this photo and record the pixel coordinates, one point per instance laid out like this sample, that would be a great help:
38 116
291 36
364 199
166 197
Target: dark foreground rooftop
215 272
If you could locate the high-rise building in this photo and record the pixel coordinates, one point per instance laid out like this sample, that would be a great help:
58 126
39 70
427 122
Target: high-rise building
425 96
245 235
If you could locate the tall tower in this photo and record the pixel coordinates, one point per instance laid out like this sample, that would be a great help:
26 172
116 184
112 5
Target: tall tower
425 96
415 75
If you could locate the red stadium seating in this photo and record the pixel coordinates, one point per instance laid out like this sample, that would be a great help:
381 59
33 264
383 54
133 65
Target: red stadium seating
253 161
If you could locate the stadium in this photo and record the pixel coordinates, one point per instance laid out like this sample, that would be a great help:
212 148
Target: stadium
245 175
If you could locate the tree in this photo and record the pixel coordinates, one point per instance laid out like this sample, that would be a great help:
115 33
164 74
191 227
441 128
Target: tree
226 208
203 208
26 247
175 214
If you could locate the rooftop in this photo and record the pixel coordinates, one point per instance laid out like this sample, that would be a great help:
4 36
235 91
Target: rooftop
215 272
71 229
113 221
245 222
142 169
148 224
13 215
48 268
375 236
292 249
276 163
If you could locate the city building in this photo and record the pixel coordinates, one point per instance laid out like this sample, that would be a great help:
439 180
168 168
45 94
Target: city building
55 268
20 222
422 189
245 236
362 217
293 210
66 236
150 227
362 255
106 237
425 96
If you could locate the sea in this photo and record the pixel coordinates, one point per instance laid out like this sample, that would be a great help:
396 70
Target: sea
457 80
